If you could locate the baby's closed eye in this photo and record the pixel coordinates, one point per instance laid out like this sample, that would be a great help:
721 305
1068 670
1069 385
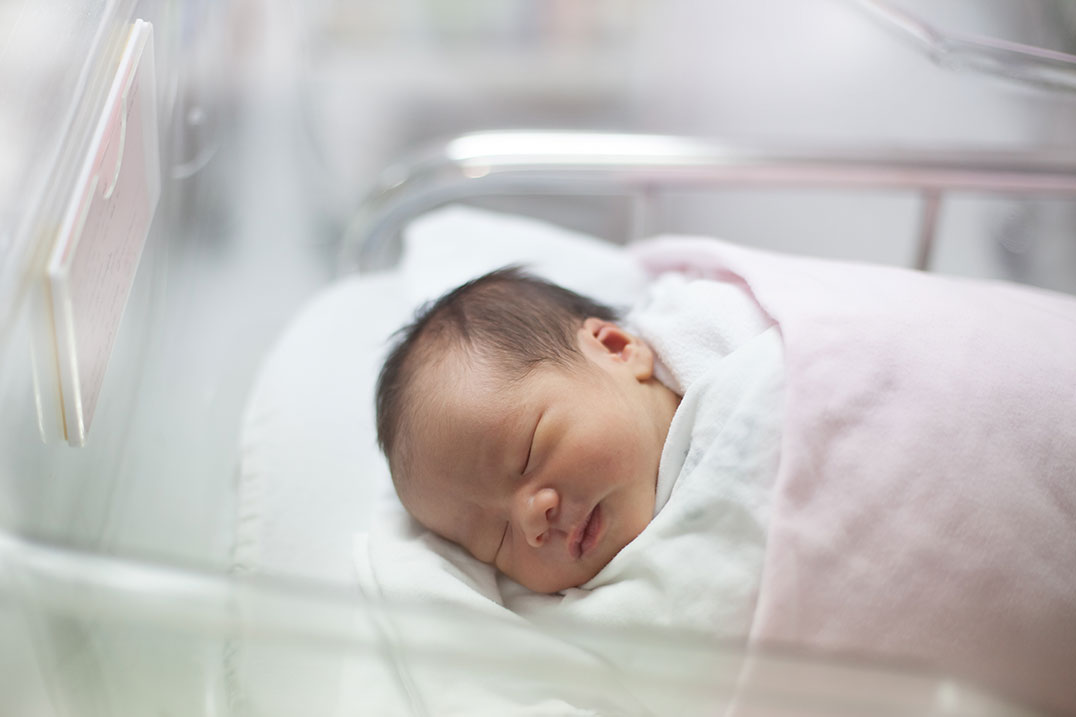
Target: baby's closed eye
530 447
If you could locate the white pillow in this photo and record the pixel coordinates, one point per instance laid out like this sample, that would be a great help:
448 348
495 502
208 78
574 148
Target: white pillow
447 247
310 471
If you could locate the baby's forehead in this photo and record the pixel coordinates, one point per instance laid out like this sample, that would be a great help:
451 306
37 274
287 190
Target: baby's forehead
458 373
462 424
454 391
464 392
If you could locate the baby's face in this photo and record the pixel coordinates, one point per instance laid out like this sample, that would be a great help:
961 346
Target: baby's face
549 477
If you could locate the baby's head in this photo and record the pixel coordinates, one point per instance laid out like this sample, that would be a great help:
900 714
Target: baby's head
521 422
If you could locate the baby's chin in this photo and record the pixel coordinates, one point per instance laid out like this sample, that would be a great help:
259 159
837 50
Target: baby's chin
552 587
558 582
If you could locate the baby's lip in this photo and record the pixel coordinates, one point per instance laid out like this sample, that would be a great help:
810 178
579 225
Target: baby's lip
585 535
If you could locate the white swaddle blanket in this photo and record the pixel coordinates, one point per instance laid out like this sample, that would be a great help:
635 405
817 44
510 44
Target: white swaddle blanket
696 566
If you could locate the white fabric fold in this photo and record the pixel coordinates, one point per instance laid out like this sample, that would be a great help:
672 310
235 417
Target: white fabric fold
691 324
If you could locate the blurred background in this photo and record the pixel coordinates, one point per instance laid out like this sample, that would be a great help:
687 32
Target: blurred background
276 116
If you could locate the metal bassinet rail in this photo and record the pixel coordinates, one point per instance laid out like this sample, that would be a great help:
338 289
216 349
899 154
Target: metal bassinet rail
638 166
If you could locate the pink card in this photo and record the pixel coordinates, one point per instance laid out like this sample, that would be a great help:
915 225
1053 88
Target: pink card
93 262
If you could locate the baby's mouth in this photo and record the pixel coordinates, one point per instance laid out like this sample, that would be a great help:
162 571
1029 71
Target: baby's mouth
586 536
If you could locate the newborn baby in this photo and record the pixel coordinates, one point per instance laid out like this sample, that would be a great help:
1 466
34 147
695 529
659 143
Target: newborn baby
839 478
521 422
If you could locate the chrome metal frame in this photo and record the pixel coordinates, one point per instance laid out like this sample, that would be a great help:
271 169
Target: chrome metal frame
641 166
1029 64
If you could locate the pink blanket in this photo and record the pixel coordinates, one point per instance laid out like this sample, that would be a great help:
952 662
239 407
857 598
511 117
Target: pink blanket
925 505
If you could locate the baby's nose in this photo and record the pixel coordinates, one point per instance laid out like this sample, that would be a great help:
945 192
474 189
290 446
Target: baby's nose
538 511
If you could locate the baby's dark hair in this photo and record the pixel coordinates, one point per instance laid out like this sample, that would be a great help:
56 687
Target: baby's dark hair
508 317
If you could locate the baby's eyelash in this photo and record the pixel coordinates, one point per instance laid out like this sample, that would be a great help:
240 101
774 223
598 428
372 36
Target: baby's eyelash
527 460
530 447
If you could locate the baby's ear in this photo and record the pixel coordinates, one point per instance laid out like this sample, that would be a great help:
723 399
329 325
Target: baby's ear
604 340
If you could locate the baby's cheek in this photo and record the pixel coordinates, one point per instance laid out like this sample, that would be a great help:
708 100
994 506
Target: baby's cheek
623 453
601 465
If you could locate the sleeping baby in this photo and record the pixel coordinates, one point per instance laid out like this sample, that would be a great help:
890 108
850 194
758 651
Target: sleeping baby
523 423
872 463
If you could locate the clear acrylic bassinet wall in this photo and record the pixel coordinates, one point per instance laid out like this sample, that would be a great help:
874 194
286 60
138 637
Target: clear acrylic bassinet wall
176 178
